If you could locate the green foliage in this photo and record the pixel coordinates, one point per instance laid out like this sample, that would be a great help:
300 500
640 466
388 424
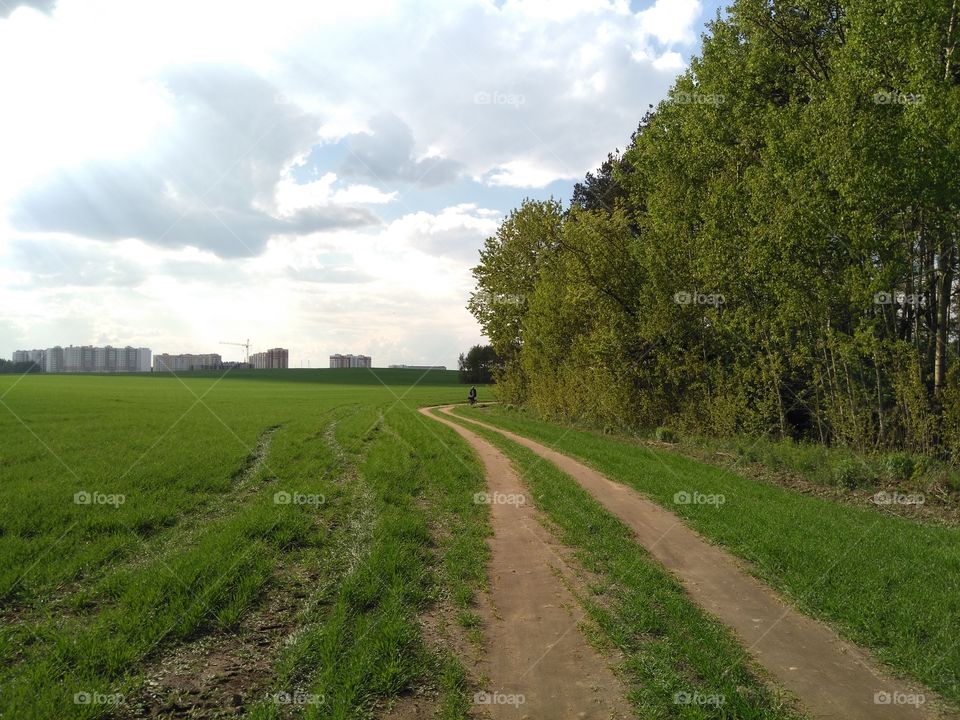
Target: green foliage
665 435
7 366
510 263
775 252
899 467
849 473
478 365
952 483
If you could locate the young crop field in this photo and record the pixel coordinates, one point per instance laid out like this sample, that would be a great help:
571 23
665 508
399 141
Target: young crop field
312 544
154 527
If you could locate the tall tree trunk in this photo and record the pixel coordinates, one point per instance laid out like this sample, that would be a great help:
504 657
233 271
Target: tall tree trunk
778 391
951 42
876 369
944 287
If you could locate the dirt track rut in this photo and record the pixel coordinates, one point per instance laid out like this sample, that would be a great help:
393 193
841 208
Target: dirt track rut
534 649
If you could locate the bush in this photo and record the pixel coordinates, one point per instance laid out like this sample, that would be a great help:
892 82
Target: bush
665 435
952 482
849 473
899 467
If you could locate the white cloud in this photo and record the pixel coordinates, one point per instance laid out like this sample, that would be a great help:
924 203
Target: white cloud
669 61
385 153
10 6
456 232
571 59
562 10
363 195
206 181
670 21
520 173
292 196
175 171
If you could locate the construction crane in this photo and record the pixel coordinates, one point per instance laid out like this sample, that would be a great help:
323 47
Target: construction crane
245 346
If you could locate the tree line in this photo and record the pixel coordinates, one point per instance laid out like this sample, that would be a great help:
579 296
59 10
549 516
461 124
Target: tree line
478 365
775 252
8 366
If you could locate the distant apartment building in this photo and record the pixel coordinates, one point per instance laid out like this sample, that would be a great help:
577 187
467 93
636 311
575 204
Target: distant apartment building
350 361
164 362
87 358
272 359
417 367
53 360
37 357
128 359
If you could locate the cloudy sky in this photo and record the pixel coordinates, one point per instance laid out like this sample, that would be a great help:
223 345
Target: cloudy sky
311 175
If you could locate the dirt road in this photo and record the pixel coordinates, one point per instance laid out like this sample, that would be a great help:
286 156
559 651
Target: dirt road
831 677
537 661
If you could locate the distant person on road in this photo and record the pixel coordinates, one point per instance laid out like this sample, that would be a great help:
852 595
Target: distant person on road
472 395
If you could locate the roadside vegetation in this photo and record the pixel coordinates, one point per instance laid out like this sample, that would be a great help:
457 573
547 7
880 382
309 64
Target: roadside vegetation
926 488
908 484
478 365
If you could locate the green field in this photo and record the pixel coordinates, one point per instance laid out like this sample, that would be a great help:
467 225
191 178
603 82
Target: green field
183 536
315 522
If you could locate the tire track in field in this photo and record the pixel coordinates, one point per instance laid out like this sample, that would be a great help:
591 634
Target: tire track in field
213 674
167 665
162 545
157 548
832 677
537 660
223 674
